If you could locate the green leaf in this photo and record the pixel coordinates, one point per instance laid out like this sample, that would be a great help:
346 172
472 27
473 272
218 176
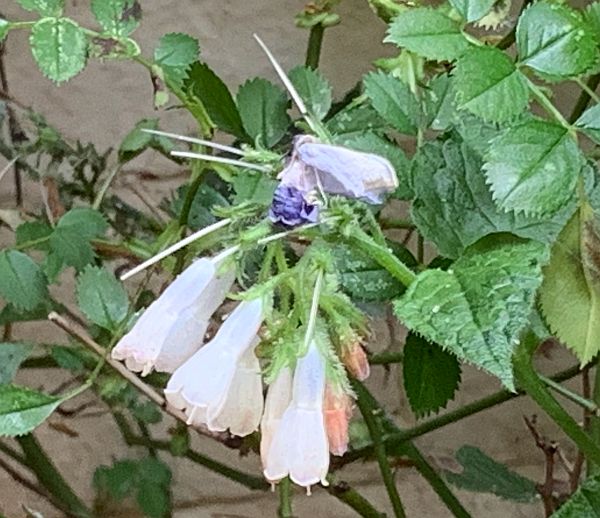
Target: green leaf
555 40
592 16
11 357
67 358
453 206
86 221
23 409
431 375
584 503
499 94
147 412
22 283
137 141
440 106
117 17
428 33
263 108
533 167
482 474
472 10
314 89
204 201
573 275
33 231
253 187
204 84
355 120
4 28
589 123
176 50
43 7
477 308
393 100
59 47
101 297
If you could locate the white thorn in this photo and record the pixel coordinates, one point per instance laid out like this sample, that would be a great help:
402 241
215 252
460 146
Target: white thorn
221 160
202 142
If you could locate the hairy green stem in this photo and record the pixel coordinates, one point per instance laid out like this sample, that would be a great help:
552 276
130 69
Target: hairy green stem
315 42
285 499
49 477
344 493
584 98
594 467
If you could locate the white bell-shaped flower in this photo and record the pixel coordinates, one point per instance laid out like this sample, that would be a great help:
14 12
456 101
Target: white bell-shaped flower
299 447
173 327
220 386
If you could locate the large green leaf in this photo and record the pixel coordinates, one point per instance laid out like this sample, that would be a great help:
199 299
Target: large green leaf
11 357
555 40
21 281
472 10
59 47
354 120
314 89
263 108
483 474
584 503
428 33
23 409
488 84
573 275
43 7
117 17
533 167
431 375
453 206
589 123
393 100
440 102
477 308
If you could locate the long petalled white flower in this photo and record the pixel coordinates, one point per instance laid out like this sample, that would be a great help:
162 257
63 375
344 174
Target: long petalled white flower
299 447
174 325
220 386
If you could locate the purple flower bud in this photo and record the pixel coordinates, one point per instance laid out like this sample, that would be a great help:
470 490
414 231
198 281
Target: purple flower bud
289 208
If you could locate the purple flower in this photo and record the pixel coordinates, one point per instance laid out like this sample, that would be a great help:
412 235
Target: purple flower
289 208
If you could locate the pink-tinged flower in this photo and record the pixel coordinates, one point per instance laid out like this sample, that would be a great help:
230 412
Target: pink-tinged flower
356 361
337 410
174 325
299 447
278 399
220 386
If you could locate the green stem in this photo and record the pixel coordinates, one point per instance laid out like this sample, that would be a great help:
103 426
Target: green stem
313 50
528 379
584 98
545 103
594 467
285 499
344 493
386 358
572 396
49 477
592 95
371 418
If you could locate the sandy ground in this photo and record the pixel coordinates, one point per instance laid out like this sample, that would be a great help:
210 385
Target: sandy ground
101 105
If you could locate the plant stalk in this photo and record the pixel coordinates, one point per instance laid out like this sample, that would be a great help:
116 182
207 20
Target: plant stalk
594 467
344 493
584 98
315 42
285 499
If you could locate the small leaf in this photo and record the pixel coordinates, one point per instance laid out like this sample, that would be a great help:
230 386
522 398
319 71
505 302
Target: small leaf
23 409
314 89
11 357
253 187
59 47
589 123
21 281
86 221
101 297
355 120
263 108
117 17
584 503
499 94
43 7
31 231
472 10
431 375
177 50
137 141
393 100
533 167
483 474
555 40
428 33
205 200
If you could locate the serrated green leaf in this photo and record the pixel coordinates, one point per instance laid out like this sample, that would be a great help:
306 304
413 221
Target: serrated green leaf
355 120
86 221
589 123
533 167
43 7
176 50
32 231
393 100
555 40
499 94
483 474
263 108
431 375
314 89
147 412
440 103
477 308
472 10
253 187
584 503
573 275
11 357
101 297
453 206
592 16
23 409
137 141
22 283
428 33
117 17
59 47
67 358
204 84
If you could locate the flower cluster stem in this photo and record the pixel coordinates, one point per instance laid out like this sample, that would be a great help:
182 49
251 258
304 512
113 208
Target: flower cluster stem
285 499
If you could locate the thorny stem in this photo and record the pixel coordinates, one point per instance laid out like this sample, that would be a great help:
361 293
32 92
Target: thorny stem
285 499
584 98
315 42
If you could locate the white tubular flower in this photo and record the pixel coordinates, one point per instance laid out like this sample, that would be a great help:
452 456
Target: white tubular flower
299 447
279 396
174 325
220 386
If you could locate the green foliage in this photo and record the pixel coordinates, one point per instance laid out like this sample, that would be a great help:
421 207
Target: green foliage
4 28
102 298
253 187
263 108
177 50
355 120
118 18
431 375
23 409
205 200
533 167
11 357
59 47
428 33
472 10
22 283
589 123
584 503
137 141
483 474
314 89
477 308
43 7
